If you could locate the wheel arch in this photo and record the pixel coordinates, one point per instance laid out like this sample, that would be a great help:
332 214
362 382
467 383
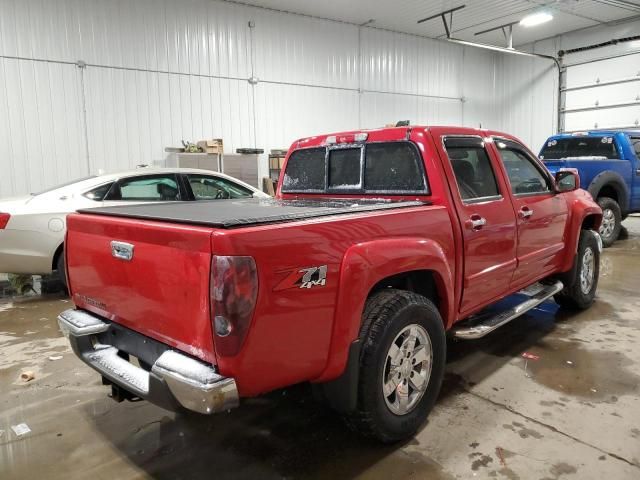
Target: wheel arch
610 184
418 264
584 216
59 251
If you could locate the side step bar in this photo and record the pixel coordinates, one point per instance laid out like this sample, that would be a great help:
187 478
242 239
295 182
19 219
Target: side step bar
488 325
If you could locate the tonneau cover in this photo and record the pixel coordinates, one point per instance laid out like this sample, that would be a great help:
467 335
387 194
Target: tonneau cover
244 212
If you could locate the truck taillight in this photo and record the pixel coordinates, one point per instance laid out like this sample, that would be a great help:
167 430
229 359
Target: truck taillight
234 291
4 219
347 138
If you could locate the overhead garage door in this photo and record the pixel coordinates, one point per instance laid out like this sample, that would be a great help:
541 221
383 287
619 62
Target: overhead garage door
602 94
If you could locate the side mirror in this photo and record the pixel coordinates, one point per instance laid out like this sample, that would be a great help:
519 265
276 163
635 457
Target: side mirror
567 180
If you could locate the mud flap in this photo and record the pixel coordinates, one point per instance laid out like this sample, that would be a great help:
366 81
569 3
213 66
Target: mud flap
341 394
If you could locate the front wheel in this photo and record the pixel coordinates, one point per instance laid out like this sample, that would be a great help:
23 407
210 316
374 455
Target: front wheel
580 290
611 220
401 365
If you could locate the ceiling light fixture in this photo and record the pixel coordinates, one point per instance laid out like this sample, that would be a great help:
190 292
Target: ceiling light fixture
536 19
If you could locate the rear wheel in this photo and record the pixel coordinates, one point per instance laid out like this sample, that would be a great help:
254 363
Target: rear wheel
62 272
401 365
580 290
611 220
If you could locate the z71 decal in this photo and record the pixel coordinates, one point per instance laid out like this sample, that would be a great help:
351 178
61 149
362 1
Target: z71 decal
304 278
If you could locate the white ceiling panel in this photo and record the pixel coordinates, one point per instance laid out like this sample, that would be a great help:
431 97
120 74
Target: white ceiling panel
476 16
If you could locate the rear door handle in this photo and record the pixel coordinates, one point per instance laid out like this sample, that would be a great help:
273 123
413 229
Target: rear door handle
525 212
475 222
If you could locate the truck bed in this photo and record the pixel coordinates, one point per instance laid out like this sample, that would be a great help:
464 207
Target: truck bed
246 212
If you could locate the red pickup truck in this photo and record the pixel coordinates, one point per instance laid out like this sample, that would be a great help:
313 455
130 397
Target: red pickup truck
378 244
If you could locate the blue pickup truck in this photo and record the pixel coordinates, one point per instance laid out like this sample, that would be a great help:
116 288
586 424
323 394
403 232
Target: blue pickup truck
609 167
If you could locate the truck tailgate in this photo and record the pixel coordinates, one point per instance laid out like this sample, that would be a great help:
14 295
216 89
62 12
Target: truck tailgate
161 292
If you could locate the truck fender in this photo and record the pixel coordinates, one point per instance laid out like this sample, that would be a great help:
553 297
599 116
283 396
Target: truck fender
580 207
614 180
363 266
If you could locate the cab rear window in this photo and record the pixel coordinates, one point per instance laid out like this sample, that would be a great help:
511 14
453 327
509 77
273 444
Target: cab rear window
391 168
306 171
579 147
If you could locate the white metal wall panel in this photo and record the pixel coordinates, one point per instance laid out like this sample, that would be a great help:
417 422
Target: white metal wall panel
527 88
479 77
41 131
285 113
134 115
394 62
379 109
627 64
160 71
301 50
191 36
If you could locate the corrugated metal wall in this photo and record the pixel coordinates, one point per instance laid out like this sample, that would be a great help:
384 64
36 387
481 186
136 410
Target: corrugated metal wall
158 71
528 103
531 85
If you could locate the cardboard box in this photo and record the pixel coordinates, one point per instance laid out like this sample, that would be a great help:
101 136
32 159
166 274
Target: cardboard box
276 163
213 146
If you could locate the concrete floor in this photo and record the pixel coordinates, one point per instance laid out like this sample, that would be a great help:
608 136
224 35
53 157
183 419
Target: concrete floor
574 412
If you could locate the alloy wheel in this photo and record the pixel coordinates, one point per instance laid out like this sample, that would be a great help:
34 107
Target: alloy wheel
407 369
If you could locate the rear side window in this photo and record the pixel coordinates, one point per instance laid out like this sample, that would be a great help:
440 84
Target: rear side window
392 168
98 193
579 147
160 188
472 167
635 142
206 187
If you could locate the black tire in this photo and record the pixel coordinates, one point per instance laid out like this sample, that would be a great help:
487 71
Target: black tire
386 314
609 236
573 295
62 272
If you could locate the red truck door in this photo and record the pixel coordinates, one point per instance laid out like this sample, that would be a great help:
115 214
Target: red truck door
487 220
541 213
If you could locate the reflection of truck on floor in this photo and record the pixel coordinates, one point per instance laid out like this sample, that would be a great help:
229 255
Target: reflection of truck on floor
609 167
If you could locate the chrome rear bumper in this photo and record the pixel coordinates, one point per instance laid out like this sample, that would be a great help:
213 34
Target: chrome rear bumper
174 378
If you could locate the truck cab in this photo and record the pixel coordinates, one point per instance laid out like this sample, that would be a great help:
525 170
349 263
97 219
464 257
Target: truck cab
609 167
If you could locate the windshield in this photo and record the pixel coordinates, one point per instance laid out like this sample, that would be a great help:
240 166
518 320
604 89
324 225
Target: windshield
77 180
575 147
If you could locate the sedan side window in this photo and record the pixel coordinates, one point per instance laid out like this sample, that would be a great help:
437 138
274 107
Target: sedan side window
205 187
524 176
98 193
148 188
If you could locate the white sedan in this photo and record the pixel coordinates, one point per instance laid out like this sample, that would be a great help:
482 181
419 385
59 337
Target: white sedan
32 228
